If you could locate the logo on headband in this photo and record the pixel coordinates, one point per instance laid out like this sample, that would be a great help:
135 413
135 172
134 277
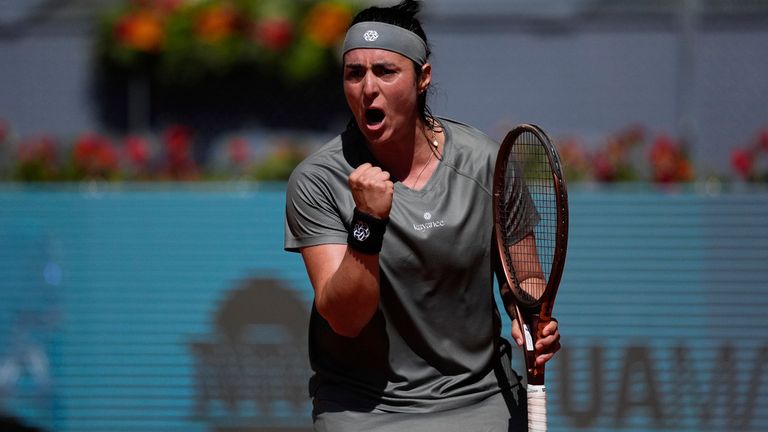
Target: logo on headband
371 35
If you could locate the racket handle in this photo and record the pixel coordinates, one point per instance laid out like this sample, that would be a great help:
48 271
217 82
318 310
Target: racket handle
537 408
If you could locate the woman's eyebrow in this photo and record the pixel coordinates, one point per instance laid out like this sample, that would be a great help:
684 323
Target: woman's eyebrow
388 65
383 64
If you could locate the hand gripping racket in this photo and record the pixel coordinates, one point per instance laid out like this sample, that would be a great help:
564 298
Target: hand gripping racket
530 212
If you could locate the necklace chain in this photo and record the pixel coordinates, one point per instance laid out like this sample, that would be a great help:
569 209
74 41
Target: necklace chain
432 151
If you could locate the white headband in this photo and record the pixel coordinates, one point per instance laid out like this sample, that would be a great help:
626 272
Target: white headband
373 34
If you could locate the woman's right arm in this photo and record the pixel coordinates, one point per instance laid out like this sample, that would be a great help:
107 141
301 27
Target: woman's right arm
345 280
346 284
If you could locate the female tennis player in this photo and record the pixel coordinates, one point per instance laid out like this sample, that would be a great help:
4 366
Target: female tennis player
393 219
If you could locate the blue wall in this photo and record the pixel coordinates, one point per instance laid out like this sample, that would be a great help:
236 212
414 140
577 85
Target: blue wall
173 307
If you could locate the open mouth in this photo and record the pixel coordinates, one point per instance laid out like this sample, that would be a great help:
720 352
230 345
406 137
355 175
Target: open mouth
374 116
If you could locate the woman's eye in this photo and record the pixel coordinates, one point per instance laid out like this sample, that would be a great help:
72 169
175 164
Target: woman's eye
354 74
387 73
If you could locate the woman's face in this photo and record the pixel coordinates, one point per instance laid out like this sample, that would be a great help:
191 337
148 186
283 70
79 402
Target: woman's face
381 88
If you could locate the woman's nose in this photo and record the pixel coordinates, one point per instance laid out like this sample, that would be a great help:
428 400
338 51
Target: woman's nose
370 87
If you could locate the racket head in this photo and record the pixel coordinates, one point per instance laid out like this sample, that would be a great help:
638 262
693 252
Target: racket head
530 198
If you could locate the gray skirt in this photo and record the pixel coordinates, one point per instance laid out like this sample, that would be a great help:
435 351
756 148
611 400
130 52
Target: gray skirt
503 412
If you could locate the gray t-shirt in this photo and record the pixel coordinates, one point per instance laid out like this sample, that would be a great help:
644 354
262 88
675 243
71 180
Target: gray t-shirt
434 343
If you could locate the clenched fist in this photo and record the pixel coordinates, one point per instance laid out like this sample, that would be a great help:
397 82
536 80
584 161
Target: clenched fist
372 190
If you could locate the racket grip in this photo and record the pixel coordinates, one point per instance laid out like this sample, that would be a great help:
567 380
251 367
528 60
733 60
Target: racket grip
537 408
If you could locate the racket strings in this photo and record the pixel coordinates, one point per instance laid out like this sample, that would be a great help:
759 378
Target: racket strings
529 208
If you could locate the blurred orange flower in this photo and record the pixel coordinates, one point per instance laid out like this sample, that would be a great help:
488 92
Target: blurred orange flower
574 157
327 22
669 162
141 30
217 22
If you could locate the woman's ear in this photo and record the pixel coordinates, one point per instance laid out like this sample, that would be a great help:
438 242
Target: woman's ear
426 77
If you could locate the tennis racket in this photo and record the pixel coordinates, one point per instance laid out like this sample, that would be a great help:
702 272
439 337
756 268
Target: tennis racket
530 212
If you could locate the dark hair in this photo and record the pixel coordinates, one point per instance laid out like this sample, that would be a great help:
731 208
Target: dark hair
403 15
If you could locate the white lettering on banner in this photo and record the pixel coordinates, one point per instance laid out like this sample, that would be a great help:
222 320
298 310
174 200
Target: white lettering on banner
717 391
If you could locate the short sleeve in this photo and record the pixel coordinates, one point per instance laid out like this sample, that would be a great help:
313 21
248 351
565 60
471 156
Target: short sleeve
312 215
522 210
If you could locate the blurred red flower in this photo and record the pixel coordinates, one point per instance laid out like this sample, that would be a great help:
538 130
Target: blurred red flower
762 139
604 170
613 161
177 140
239 152
42 148
37 159
94 156
4 130
742 162
168 6
274 34
669 162
137 151
179 163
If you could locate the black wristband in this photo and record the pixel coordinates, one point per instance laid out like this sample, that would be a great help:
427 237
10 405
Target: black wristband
366 233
